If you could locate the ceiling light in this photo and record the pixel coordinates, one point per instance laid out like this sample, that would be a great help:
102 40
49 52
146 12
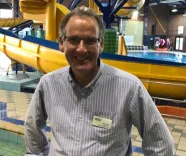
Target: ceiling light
135 15
174 10
170 1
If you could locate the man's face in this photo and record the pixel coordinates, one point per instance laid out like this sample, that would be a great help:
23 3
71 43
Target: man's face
82 43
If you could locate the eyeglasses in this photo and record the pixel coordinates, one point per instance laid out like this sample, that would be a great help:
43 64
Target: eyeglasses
75 41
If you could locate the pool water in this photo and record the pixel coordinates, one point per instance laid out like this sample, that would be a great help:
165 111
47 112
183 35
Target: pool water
165 56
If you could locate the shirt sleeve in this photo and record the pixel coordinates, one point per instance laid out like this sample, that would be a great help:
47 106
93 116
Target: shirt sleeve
156 138
35 138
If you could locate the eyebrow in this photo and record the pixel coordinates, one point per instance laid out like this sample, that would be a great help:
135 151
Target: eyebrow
81 37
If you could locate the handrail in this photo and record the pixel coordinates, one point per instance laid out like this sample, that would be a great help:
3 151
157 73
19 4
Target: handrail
158 20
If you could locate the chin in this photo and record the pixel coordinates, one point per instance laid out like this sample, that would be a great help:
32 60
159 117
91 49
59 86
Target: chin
83 68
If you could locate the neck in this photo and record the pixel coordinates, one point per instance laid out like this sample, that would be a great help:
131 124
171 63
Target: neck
84 78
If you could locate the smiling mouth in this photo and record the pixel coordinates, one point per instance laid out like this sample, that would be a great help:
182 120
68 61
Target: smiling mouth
81 59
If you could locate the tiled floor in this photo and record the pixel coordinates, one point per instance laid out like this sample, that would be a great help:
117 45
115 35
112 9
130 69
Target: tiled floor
17 104
11 144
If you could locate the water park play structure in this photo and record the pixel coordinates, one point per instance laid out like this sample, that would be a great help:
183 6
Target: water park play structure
161 78
51 13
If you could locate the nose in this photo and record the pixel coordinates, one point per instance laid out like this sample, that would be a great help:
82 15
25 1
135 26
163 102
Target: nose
81 47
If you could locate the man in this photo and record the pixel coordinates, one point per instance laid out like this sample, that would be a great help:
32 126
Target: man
91 106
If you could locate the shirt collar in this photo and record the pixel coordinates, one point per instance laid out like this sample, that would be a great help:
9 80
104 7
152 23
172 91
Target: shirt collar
72 81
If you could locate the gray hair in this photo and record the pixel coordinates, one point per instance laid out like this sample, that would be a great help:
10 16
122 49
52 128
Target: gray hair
83 11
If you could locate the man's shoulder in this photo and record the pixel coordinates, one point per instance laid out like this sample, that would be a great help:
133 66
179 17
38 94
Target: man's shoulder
118 73
56 73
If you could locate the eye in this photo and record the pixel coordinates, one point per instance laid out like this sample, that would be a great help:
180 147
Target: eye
73 40
91 41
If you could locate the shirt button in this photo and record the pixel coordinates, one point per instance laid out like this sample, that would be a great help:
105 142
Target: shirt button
78 140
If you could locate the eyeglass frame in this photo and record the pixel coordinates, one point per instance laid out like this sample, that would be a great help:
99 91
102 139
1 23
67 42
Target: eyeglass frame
81 39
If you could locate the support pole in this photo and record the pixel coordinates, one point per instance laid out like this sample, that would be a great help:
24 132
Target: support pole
91 4
145 32
51 21
122 49
15 8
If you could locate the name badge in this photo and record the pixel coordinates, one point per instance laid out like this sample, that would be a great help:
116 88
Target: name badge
102 122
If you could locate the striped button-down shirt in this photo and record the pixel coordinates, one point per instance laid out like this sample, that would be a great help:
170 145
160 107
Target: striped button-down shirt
118 100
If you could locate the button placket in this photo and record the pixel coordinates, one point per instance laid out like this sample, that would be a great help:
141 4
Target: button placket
80 115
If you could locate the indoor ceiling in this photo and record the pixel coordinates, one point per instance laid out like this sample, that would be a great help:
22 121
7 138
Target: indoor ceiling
180 5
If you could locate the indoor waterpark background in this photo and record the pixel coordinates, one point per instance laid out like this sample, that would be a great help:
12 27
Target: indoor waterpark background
143 37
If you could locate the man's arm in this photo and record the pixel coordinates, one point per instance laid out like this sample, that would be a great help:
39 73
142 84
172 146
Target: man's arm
156 138
35 138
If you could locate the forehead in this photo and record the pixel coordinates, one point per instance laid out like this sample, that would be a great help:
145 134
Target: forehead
82 24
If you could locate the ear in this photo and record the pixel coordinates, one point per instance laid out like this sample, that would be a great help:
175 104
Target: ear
61 47
101 45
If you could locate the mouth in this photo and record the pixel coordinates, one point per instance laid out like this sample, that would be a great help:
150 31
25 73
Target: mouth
80 59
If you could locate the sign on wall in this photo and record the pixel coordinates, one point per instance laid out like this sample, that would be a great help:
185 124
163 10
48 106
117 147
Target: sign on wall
180 30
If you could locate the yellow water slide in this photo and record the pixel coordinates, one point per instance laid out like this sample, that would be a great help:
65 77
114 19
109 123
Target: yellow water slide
11 22
169 82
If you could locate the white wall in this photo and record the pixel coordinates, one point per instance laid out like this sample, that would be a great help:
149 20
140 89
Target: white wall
5 13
